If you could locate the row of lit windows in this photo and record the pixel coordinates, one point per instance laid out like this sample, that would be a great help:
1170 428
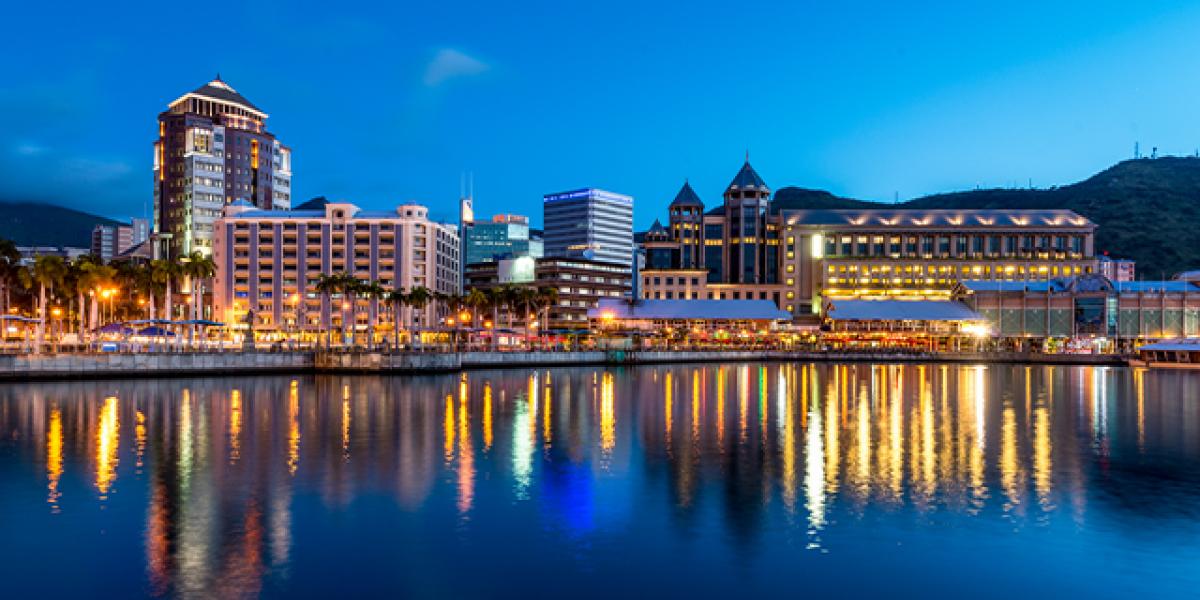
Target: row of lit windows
714 295
958 245
965 271
671 280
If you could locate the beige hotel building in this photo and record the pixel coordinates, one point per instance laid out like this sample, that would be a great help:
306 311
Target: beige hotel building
270 261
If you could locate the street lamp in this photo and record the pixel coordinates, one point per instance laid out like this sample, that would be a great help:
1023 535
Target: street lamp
107 294
57 313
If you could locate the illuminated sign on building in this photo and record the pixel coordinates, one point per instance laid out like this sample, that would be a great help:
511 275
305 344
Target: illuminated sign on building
517 270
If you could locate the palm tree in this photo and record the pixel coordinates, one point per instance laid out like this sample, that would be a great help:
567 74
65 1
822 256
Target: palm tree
355 289
525 297
139 280
398 300
47 272
547 298
452 304
328 285
165 272
373 291
510 300
81 276
418 298
477 300
197 269
10 263
497 298
440 299
102 276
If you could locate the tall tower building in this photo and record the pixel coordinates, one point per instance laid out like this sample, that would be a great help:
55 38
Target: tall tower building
752 254
213 148
687 227
589 223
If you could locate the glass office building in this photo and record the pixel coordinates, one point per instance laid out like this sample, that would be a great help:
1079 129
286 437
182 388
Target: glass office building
590 223
505 236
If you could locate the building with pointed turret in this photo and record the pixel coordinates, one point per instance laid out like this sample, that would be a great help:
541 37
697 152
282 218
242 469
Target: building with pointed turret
213 148
752 248
728 252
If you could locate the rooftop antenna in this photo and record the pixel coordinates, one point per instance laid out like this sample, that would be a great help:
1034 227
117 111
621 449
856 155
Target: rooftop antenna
1137 152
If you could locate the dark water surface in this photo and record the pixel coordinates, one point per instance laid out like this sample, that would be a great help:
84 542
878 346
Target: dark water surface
916 480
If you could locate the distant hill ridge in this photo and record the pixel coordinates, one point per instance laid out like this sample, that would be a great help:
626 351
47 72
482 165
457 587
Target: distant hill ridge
39 224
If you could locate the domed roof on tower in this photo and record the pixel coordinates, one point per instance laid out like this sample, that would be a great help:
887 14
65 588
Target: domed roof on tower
687 196
222 93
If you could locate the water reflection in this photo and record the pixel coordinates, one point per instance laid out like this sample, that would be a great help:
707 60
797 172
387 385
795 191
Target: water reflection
54 456
220 466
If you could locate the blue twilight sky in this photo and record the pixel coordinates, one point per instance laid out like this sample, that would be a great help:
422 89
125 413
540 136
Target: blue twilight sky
383 104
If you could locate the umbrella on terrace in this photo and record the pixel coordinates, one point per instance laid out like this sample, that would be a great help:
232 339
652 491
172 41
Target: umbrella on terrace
18 318
202 323
119 328
155 332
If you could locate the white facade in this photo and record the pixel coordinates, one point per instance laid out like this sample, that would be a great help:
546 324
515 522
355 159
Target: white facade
281 184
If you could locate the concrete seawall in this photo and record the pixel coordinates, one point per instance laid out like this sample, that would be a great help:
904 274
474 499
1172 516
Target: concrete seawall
195 364
99 366
379 362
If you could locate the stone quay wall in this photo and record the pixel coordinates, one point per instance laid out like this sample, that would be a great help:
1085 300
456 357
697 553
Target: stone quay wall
17 367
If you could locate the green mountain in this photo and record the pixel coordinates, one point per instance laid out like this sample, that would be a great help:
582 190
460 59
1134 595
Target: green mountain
37 224
1147 210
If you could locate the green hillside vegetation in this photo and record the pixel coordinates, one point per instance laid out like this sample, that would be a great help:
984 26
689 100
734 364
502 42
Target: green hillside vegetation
1147 210
37 224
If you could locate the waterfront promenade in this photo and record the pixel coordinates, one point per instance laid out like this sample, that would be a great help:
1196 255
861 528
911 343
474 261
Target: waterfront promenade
18 367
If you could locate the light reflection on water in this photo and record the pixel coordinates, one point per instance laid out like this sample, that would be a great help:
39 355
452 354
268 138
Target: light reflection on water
245 486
